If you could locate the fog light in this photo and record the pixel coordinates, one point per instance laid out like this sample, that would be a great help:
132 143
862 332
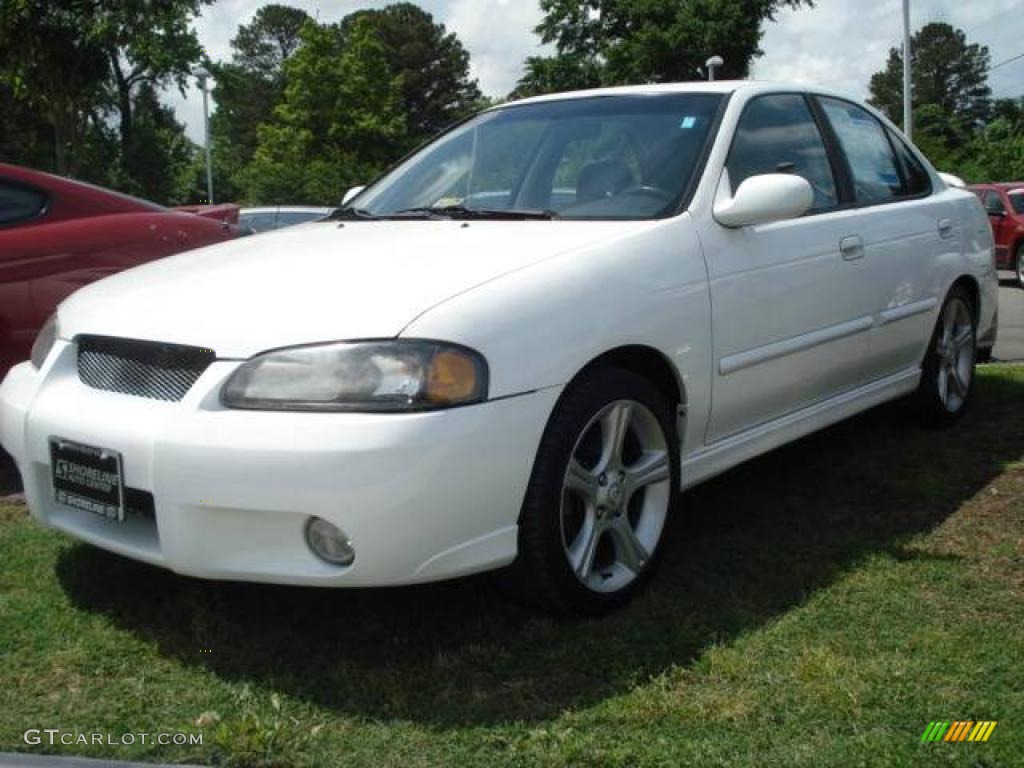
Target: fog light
329 542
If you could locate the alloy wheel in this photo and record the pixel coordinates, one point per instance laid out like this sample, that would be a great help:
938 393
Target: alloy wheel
615 496
955 350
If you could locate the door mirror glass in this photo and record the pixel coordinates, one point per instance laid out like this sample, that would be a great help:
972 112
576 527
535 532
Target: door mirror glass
351 194
765 198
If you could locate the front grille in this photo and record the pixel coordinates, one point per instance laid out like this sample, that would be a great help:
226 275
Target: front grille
141 368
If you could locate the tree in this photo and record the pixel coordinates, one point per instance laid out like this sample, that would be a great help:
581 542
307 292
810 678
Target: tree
1010 110
249 87
338 124
146 43
55 69
565 72
430 63
26 137
997 153
265 44
614 42
946 72
160 155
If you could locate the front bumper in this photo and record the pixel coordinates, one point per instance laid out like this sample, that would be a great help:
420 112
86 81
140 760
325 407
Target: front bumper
423 497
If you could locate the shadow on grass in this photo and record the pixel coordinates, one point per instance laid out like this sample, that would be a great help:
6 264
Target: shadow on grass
753 544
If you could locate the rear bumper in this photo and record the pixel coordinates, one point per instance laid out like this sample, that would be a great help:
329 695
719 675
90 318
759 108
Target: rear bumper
422 496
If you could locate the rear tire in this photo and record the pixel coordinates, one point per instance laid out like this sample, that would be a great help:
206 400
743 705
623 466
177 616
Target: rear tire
947 378
605 483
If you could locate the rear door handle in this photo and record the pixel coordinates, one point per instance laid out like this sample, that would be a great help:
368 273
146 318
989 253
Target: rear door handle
852 247
945 227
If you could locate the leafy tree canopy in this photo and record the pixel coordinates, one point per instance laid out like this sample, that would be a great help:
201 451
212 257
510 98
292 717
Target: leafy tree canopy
431 64
946 71
614 42
338 122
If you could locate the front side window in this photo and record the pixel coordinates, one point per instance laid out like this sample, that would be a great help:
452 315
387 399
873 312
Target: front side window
1016 200
777 134
18 203
876 177
607 157
994 203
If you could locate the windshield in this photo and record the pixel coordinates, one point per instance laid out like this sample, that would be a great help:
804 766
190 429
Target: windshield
1017 200
608 157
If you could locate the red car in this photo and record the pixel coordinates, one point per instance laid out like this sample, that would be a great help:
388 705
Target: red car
57 235
1004 204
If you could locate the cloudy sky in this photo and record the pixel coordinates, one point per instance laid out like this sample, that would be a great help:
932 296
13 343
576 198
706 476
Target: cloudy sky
839 43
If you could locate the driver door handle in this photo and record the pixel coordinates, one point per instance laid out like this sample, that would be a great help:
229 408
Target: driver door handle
852 247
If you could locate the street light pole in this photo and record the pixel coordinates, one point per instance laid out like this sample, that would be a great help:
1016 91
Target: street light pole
202 78
908 114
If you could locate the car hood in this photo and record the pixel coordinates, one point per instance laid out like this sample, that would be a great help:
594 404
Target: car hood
317 282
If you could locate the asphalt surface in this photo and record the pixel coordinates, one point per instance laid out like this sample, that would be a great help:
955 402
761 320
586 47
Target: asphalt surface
1010 340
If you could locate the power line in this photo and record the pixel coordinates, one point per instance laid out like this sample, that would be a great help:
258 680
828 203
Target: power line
1006 61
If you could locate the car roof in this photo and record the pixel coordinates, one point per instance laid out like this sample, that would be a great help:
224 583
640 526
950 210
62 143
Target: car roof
79 197
716 86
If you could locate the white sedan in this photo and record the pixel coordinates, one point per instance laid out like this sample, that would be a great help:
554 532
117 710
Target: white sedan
512 350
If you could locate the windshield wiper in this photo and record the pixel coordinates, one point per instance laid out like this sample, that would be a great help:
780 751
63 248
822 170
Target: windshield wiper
462 212
348 212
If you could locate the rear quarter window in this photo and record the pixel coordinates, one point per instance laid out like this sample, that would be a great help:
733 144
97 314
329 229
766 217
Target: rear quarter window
19 203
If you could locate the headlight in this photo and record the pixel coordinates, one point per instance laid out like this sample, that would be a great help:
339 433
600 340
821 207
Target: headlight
44 342
402 375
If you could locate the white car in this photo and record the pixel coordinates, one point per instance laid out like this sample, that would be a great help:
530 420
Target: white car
513 349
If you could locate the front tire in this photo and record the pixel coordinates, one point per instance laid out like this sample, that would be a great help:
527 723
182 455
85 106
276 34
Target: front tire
604 484
947 377
1019 265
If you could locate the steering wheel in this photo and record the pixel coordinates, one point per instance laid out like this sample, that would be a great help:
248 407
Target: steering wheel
648 190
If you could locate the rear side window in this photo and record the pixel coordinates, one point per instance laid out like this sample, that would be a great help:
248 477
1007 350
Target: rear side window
876 175
18 203
917 182
777 134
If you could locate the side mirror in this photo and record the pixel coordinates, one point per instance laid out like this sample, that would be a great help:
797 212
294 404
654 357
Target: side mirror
765 198
351 194
952 181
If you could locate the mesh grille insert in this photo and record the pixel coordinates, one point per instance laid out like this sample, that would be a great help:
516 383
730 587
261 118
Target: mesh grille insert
141 368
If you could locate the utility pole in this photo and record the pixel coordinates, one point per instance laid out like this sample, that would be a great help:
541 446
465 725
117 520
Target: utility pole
203 78
908 115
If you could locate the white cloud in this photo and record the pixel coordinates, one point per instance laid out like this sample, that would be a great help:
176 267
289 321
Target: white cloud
839 43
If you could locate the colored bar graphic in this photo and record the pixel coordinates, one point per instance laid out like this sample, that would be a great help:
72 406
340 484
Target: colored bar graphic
958 730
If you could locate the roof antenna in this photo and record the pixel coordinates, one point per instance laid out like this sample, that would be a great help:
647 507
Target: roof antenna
713 64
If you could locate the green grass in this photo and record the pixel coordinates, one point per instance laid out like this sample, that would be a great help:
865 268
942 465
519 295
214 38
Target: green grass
818 606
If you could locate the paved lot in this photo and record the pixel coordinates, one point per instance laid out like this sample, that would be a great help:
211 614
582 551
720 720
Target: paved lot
1010 341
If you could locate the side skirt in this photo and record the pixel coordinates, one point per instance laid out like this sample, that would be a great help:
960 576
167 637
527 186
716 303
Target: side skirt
727 453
